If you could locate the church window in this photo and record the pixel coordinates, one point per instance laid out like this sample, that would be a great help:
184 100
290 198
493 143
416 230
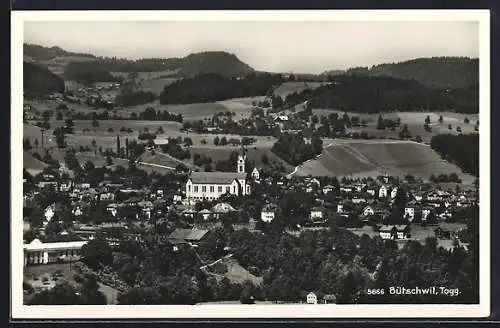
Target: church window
211 188
203 188
227 189
189 188
220 189
195 188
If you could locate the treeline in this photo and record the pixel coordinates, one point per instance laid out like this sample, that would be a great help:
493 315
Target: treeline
440 72
87 72
293 148
462 150
45 53
215 87
366 94
134 98
39 81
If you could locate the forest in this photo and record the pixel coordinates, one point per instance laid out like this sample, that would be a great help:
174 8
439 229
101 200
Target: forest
366 94
215 87
294 150
87 72
39 81
439 72
462 150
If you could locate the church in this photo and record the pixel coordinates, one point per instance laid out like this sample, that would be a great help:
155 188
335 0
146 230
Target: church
212 185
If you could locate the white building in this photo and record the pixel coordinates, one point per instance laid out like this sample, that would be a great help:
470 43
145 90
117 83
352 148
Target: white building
316 213
368 211
311 298
212 185
382 192
268 213
410 212
37 252
255 174
394 192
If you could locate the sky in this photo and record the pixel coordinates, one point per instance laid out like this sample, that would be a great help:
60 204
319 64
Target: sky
299 47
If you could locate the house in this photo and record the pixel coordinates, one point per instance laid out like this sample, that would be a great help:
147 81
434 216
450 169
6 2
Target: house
205 214
222 209
426 210
112 209
107 197
190 236
382 192
357 200
403 231
255 174
394 232
65 186
316 213
189 213
268 213
212 185
77 211
387 232
340 208
327 189
394 192
410 210
329 299
370 191
49 212
368 211
311 298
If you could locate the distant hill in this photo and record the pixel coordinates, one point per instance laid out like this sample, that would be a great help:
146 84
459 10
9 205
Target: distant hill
38 81
216 62
440 72
40 53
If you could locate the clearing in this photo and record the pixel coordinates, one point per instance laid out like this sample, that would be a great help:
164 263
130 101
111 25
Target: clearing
229 267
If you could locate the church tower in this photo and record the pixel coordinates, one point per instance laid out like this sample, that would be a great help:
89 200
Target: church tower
241 162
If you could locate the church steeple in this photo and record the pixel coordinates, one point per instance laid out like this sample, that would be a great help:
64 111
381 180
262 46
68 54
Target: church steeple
241 161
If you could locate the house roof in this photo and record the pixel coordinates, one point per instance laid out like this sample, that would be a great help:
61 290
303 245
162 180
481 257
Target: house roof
188 234
223 208
37 245
216 177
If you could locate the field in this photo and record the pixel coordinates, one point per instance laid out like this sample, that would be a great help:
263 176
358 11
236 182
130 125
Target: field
414 120
291 87
372 158
34 275
418 233
31 164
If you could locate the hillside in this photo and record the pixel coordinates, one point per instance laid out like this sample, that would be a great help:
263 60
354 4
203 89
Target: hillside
374 94
38 81
39 53
375 158
31 164
218 62
440 72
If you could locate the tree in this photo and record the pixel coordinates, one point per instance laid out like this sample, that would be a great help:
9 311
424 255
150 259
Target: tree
427 120
418 139
380 123
95 123
216 141
97 252
26 144
69 123
62 294
405 133
449 127
264 159
440 119
203 141
223 141
466 120
109 160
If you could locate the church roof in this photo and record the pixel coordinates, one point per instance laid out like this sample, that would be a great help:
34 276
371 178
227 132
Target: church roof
216 177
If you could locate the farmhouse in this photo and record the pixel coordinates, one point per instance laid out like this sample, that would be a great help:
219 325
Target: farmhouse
212 185
255 174
316 213
191 236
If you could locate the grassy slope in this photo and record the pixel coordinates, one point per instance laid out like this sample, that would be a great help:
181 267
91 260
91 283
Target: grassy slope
374 158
